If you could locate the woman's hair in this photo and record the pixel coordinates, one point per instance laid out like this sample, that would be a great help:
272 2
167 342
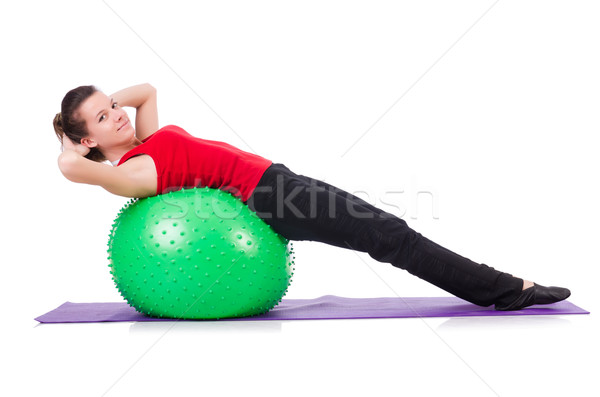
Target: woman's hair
68 122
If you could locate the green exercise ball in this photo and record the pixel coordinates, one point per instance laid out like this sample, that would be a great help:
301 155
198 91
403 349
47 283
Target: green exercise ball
197 254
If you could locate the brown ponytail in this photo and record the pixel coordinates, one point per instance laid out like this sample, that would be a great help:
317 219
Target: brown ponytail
68 123
57 123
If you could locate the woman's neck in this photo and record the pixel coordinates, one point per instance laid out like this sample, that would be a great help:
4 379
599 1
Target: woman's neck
114 154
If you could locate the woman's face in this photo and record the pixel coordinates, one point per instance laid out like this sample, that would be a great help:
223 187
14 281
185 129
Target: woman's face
107 123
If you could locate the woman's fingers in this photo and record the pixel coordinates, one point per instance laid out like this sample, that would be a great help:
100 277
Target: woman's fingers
82 149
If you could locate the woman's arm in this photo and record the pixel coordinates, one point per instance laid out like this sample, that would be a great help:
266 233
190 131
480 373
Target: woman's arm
143 98
116 180
136 179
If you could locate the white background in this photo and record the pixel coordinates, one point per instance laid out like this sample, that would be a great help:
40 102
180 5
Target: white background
484 115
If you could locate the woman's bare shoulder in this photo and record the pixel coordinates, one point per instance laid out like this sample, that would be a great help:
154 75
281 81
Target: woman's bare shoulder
137 162
142 170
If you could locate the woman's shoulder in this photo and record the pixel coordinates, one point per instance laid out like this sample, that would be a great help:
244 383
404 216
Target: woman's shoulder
141 171
169 130
172 128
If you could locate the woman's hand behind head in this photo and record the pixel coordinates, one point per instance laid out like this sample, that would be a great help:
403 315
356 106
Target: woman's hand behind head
68 144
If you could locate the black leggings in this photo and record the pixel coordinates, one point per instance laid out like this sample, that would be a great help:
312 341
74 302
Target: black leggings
303 208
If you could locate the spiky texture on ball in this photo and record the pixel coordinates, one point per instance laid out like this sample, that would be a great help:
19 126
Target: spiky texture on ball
197 254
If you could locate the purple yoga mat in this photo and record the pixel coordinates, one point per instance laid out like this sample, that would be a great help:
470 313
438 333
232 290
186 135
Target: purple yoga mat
325 307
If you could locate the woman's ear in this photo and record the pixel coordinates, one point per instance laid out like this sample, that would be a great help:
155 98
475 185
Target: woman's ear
89 142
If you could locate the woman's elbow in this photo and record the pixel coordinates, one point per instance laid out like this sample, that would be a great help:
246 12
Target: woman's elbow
67 163
150 88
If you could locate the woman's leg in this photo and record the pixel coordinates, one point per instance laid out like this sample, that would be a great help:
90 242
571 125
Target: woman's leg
302 208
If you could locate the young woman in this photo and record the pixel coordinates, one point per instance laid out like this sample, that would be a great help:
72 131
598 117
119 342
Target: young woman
147 161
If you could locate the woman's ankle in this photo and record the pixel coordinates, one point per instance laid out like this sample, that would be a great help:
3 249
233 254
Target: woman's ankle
527 284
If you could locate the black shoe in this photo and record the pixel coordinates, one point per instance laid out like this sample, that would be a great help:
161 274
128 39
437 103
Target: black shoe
536 295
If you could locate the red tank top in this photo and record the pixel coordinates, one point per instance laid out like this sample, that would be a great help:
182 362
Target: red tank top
184 161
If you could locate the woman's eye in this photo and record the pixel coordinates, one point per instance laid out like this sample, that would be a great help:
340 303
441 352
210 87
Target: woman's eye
114 105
